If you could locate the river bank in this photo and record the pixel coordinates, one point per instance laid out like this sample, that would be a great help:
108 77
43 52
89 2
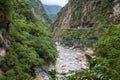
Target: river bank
70 61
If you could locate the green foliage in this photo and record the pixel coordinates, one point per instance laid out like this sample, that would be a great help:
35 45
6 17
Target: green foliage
99 70
82 36
16 75
75 34
94 19
26 52
107 66
103 9
109 47
39 11
53 74
6 8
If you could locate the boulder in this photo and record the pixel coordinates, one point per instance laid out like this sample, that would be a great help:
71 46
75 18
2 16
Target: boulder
80 56
84 65
63 65
39 77
89 52
2 52
58 69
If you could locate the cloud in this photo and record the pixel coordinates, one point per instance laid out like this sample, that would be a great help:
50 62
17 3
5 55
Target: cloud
55 2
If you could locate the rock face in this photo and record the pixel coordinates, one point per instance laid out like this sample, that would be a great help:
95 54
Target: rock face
39 77
87 13
116 11
4 33
4 30
80 56
116 8
42 73
90 52
64 16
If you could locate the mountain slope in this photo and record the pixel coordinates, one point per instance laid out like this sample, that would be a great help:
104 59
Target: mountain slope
85 13
52 10
39 11
99 20
88 15
21 50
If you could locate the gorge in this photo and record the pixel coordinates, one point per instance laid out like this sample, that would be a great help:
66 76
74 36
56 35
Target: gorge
87 33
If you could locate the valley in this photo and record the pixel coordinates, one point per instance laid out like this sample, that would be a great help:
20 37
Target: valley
80 41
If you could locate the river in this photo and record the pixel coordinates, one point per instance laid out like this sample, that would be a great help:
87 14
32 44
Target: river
69 61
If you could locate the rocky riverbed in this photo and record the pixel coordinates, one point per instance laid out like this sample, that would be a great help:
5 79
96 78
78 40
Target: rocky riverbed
70 61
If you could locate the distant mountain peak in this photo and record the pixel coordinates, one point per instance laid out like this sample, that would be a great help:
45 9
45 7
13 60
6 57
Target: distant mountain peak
52 10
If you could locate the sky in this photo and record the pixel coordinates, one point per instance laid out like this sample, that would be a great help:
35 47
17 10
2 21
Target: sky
55 2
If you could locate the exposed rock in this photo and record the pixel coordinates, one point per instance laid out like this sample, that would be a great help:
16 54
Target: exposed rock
83 14
63 65
39 77
116 11
2 52
90 52
89 7
84 64
4 30
65 17
65 71
57 43
80 56
58 69
70 61
42 73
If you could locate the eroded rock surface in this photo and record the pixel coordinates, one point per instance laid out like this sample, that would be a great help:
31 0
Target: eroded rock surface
70 61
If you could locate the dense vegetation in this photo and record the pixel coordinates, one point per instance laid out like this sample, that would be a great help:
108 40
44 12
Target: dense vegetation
26 51
93 19
39 11
106 65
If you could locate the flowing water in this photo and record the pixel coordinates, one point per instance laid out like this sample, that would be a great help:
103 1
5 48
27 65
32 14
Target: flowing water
67 64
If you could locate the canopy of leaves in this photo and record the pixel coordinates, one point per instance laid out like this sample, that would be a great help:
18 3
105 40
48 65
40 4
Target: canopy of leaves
107 64
26 51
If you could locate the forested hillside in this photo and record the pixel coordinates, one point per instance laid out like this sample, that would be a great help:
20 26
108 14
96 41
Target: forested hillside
21 50
92 16
93 20
39 11
27 45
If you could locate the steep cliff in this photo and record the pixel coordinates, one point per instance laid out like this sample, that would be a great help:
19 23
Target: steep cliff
88 15
98 20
